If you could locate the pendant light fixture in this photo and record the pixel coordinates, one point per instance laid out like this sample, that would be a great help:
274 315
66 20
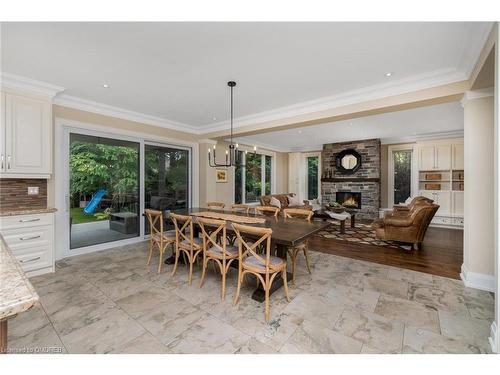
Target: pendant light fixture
233 157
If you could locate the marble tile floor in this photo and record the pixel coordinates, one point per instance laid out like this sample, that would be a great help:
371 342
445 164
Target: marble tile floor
111 302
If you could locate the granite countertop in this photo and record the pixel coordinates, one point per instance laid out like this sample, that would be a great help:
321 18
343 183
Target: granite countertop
28 211
16 292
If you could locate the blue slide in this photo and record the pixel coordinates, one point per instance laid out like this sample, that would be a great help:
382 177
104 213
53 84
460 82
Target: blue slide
96 198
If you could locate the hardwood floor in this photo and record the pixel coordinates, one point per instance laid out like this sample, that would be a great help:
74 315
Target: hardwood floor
441 253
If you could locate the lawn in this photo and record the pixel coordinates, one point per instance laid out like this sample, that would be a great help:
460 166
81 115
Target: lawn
80 217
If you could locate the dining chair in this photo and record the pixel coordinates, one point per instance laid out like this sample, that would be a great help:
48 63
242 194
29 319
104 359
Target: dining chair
297 213
264 267
186 242
267 210
216 205
158 238
244 208
216 248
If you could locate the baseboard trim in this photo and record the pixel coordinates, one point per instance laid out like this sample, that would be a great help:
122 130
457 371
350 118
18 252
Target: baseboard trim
493 337
477 280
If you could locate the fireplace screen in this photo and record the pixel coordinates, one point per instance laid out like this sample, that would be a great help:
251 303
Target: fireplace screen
349 199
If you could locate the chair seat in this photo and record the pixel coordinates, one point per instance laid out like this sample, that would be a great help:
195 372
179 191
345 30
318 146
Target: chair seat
255 263
378 223
231 251
168 235
198 242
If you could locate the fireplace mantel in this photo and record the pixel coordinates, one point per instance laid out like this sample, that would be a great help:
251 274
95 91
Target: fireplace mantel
350 179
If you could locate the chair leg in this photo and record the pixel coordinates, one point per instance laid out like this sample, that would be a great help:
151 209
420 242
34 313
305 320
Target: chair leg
306 255
238 287
190 276
205 265
150 252
223 285
176 260
267 312
294 261
285 284
160 263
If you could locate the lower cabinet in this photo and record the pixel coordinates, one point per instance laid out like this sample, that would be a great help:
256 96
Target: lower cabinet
31 239
450 203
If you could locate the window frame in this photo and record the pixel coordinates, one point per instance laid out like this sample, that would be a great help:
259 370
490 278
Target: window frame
306 169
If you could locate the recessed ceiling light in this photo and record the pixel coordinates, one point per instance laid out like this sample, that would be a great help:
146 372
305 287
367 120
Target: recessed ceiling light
300 131
214 118
388 74
105 86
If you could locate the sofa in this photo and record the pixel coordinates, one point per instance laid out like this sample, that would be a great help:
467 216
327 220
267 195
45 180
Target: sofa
408 224
265 200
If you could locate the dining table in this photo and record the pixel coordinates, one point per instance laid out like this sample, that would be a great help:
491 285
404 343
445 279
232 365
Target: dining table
287 232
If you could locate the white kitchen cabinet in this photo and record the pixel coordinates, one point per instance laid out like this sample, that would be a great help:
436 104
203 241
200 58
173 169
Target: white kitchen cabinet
427 158
458 156
31 239
440 197
443 157
26 145
458 202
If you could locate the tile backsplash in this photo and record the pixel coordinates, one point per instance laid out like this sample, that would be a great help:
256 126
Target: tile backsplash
14 194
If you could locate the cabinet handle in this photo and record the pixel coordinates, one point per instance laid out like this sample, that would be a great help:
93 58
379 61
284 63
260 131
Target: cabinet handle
29 238
29 260
28 220
8 162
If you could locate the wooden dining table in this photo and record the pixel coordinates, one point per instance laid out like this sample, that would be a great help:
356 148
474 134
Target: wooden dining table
286 233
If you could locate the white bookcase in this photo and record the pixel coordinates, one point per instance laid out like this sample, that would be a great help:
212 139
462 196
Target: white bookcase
441 178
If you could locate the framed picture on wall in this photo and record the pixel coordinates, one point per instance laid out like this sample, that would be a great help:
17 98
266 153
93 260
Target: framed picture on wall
221 175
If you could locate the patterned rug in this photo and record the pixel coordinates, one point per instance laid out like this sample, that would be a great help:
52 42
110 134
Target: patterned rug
362 234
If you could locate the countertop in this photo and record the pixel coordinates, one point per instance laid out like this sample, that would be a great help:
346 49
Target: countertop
16 292
34 211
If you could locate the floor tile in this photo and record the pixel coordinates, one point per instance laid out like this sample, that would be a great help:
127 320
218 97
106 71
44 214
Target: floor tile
417 340
372 329
469 330
383 285
438 299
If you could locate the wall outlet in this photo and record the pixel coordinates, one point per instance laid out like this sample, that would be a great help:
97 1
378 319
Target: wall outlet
32 190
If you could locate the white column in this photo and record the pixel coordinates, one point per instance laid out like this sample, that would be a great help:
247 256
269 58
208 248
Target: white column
478 269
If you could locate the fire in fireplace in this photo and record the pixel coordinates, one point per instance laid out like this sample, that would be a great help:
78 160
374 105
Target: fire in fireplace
348 199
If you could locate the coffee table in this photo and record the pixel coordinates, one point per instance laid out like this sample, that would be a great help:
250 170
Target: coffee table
321 214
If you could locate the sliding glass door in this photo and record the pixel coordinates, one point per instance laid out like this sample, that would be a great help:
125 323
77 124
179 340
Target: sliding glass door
104 190
166 176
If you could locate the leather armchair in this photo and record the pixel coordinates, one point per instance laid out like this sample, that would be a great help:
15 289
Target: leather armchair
409 207
408 225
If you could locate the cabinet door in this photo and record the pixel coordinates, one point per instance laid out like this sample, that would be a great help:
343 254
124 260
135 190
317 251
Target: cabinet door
2 134
458 203
443 198
443 157
426 158
458 156
27 135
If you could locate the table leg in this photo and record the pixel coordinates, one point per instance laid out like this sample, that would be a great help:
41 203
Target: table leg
353 221
259 294
3 336
342 226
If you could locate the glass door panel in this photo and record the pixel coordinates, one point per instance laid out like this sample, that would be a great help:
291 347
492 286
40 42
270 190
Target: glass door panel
104 190
166 181
312 177
402 175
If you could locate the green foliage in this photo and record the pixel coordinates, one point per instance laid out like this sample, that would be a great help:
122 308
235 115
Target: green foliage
79 217
97 166
103 215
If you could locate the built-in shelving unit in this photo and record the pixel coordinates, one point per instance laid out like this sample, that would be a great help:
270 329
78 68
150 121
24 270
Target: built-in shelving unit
441 178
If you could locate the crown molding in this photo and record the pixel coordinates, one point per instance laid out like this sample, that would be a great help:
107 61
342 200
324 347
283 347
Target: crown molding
207 140
477 94
107 110
251 143
394 88
423 137
29 86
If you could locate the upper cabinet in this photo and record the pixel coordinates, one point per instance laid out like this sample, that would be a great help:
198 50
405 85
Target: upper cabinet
440 156
26 137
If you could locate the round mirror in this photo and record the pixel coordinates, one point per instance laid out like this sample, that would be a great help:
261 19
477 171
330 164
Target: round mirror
348 161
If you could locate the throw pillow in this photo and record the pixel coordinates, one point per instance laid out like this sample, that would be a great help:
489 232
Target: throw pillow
275 202
293 200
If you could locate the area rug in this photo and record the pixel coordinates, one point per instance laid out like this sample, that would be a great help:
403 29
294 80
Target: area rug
362 234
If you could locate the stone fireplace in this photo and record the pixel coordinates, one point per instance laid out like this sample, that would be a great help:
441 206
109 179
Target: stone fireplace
359 191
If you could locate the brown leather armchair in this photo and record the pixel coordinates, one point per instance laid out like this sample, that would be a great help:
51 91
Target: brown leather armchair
406 226
409 207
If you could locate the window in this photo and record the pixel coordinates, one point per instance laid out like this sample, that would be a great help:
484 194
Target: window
312 177
254 180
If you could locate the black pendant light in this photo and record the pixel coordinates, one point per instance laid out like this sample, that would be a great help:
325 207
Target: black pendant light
232 155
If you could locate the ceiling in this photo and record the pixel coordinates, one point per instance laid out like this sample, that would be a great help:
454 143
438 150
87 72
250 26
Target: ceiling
443 120
178 71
